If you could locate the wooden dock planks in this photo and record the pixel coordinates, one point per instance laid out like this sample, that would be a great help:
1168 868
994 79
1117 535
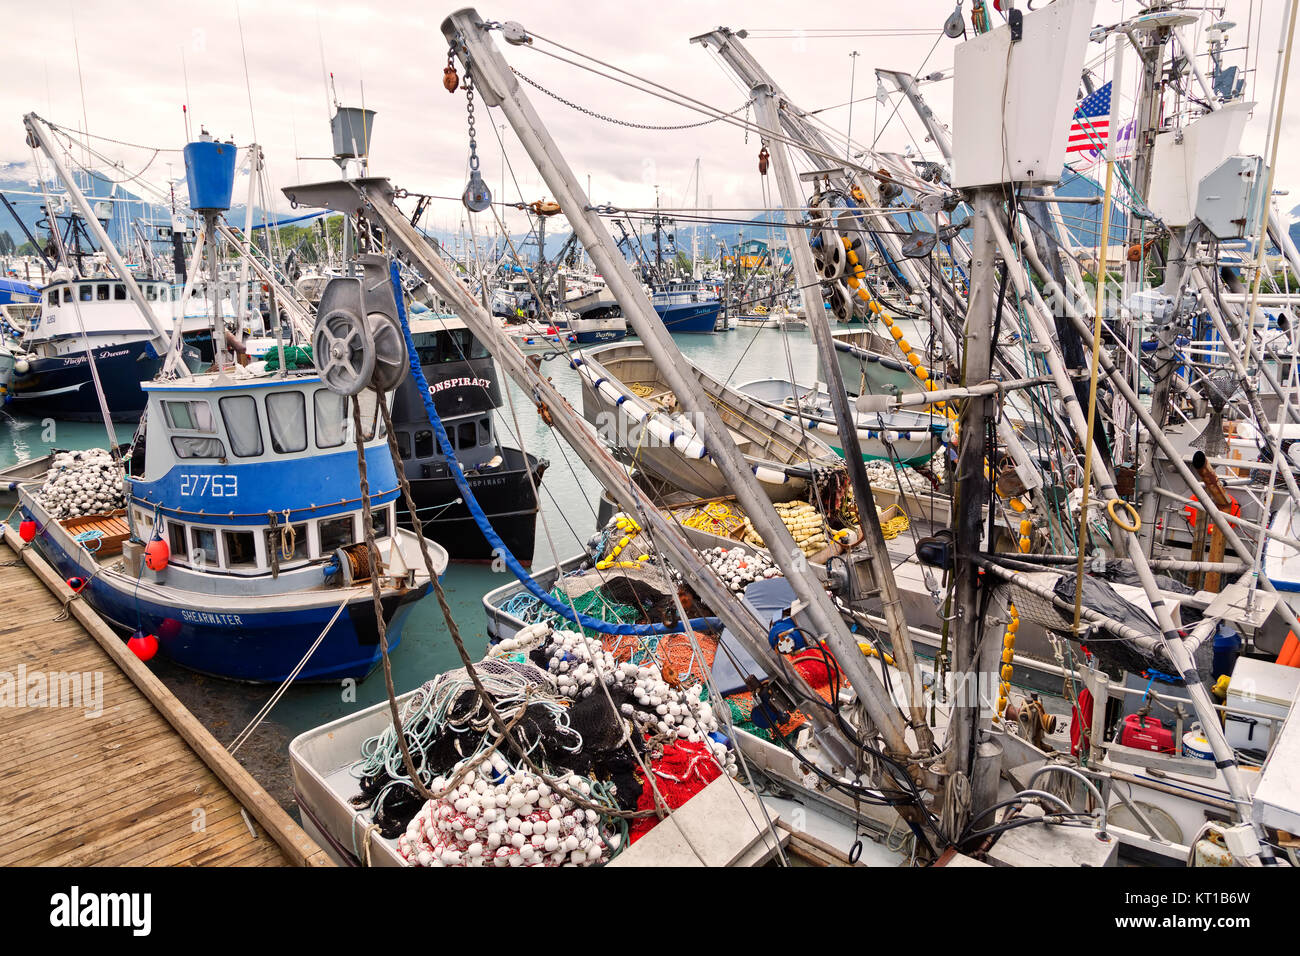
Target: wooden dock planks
143 783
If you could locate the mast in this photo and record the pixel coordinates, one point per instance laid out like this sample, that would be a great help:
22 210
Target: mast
40 136
971 656
882 573
497 85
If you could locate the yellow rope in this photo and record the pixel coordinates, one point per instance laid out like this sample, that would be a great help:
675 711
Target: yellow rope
1008 652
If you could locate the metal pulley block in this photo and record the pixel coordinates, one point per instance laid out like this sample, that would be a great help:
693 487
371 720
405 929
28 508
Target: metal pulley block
358 342
477 196
341 343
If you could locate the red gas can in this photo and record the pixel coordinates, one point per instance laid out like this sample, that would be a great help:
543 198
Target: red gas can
1142 732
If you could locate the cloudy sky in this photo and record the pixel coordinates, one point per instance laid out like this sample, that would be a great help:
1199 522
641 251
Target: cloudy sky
139 61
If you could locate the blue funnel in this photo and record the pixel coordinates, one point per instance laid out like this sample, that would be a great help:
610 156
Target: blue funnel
210 169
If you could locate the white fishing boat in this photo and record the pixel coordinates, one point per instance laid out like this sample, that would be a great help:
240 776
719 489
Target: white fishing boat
903 436
626 397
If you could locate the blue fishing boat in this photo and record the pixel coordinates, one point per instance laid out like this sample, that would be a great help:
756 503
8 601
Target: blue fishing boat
15 291
241 542
80 318
686 307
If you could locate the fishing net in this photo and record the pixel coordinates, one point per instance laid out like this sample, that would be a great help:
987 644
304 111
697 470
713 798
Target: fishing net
682 771
674 653
815 670
295 356
593 603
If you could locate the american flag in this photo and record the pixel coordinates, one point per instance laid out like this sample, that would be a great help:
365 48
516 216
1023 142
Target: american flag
1091 123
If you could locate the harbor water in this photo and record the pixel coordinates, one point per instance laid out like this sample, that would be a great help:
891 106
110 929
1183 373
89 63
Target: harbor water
568 518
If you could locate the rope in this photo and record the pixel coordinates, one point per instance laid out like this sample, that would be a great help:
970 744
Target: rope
485 526
262 714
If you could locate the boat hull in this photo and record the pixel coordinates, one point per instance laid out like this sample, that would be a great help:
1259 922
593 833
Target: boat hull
506 497
237 641
63 387
693 317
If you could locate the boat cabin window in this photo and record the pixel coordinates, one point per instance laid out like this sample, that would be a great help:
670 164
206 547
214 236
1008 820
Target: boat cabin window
53 297
329 410
204 552
176 539
150 293
119 293
380 518
86 293
190 416
449 345
424 444
241 549
466 435
336 533
192 447
404 445
286 412
101 293
289 542
67 294
243 426
369 402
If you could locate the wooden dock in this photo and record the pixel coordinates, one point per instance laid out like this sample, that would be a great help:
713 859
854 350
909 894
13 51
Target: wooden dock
143 783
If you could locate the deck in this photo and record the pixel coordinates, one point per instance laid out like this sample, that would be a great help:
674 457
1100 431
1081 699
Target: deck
143 783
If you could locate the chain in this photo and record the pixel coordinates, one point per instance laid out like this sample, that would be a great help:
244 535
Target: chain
618 122
469 118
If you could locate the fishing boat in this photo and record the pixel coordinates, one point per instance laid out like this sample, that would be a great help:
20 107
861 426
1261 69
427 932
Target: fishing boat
686 307
868 364
625 396
1039 669
591 328
466 391
905 436
240 541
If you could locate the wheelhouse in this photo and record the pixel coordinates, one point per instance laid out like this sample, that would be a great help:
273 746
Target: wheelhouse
219 472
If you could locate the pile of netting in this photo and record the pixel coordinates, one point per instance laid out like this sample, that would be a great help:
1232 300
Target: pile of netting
594 603
681 771
758 718
894 476
588 720
295 357
508 819
82 483
620 582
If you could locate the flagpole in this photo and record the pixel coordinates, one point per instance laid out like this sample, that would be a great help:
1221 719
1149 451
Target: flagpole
1102 248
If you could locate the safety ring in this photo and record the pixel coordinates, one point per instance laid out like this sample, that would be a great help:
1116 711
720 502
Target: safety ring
1134 525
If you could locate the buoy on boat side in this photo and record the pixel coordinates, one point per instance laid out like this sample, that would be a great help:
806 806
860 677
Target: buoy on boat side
77 583
143 646
156 554
27 530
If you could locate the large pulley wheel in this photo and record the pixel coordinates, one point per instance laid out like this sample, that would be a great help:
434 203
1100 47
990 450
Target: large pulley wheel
841 302
344 350
392 361
834 258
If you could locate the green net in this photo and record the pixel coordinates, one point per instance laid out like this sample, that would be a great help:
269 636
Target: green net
295 356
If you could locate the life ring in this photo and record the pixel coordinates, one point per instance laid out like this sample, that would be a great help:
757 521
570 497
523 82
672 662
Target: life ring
1134 525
